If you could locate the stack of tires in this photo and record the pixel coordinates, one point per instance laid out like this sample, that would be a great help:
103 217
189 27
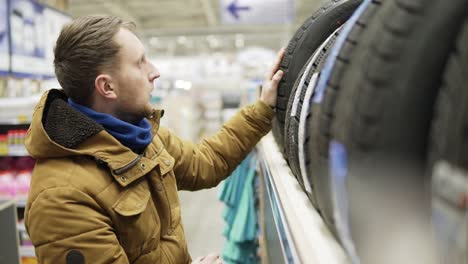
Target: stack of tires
372 119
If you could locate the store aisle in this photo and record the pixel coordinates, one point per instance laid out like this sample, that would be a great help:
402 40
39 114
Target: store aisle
203 223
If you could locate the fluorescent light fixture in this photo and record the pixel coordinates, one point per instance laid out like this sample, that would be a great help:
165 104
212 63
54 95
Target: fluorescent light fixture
181 84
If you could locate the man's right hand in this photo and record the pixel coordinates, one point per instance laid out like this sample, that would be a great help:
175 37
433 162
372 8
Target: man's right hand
209 259
272 79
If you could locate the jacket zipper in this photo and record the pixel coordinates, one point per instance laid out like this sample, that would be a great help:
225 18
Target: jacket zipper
128 166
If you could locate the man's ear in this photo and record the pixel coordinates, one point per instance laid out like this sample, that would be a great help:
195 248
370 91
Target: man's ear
105 86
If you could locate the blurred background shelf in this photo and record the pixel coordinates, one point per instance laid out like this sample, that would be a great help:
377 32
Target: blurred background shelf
19 202
27 251
16 152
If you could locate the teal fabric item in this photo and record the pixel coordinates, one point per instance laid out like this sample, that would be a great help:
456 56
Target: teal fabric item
240 214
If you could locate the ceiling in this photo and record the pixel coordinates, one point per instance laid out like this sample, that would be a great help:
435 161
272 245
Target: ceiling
183 27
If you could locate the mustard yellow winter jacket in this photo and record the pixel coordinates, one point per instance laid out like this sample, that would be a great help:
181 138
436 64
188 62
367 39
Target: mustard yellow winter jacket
93 199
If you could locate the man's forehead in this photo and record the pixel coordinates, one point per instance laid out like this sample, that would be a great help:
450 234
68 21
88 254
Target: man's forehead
129 42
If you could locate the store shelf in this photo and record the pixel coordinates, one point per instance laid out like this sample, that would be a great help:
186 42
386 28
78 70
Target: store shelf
15 101
17 110
16 152
21 227
15 121
20 202
27 251
298 229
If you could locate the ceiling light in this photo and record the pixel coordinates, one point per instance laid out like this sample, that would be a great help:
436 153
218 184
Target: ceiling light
181 84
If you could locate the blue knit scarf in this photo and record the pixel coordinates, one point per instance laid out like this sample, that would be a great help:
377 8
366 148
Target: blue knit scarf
136 137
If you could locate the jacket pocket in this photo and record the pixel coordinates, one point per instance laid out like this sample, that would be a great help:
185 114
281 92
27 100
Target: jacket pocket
137 220
133 201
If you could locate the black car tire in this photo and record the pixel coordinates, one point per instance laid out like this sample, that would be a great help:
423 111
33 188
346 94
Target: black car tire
313 32
321 113
295 106
381 126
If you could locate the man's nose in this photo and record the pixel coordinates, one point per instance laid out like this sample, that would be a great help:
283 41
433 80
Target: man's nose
154 73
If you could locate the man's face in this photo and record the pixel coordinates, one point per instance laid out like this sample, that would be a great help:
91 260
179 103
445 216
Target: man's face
134 76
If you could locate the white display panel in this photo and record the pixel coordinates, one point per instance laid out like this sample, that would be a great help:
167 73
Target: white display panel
33 30
257 11
53 21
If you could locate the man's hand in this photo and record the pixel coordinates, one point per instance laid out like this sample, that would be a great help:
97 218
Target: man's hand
209 259
272 79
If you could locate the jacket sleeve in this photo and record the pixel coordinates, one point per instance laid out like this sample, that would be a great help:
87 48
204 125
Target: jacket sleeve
208 163
60 227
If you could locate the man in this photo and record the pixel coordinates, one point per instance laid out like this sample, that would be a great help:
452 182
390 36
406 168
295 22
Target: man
104 189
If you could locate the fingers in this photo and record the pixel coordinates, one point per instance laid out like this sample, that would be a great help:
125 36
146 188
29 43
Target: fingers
274 87
211 258
198 260
277 77
277 64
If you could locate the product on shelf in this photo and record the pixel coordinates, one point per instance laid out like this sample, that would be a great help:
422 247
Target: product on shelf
23 178
28 260
3 144
12 143
23 235
7 184
15 177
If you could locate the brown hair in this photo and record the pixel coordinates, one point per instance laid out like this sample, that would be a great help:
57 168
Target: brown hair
84 48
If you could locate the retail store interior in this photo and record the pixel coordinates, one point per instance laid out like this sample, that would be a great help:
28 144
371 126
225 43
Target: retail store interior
366 161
